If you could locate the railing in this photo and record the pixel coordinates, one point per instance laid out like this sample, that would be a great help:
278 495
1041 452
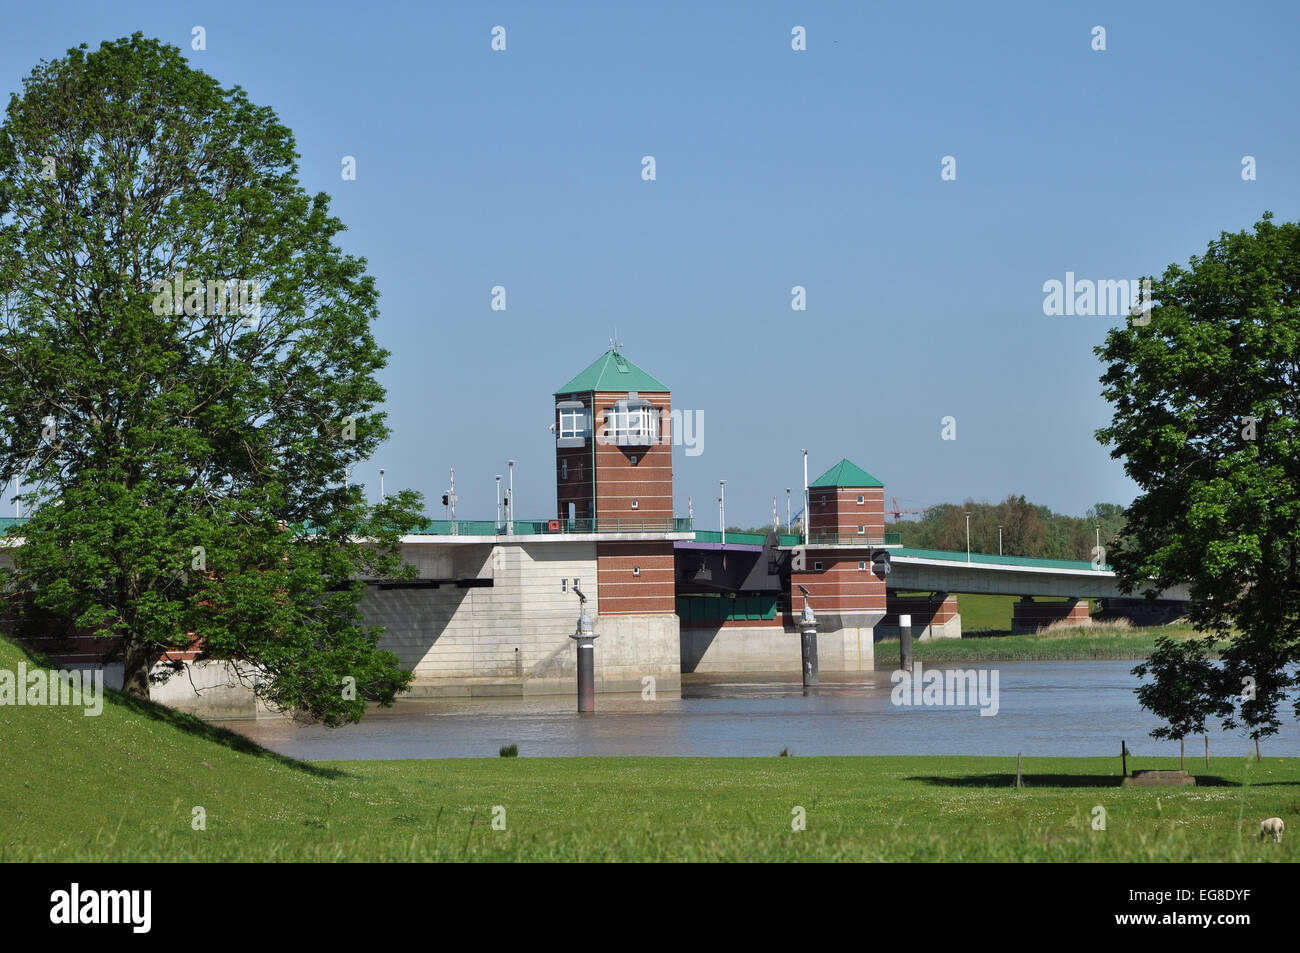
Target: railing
744 539
854 539
664 524
8 521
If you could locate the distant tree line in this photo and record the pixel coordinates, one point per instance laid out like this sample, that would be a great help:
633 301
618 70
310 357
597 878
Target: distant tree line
1027 529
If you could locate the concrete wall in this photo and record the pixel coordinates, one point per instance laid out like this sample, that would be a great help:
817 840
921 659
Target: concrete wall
728 648
513 637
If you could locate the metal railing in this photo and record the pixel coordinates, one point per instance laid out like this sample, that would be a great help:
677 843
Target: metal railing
854 539
663 524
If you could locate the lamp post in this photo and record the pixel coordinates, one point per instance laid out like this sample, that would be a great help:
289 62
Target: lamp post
967 537
787 509
498 502
999 540
722 509
381 485
805 497
585 635
510 500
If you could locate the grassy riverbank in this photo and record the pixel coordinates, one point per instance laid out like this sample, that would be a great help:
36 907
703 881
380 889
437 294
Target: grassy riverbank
125 785
1088 642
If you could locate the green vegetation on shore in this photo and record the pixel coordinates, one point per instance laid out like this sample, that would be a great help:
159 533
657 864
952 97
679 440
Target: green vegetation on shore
1086 642
124 786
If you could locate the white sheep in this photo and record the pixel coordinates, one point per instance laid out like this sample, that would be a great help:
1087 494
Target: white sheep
1272 825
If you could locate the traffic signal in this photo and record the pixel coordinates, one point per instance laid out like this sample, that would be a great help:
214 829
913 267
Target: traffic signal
444 500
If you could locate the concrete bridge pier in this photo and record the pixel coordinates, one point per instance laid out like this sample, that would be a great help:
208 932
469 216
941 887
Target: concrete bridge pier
1030 616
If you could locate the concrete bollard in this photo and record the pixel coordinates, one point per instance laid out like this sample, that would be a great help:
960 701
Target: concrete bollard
905 642
585 636
808 645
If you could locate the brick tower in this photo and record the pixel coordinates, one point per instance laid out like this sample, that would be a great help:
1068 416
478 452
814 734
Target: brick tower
843 568
614 477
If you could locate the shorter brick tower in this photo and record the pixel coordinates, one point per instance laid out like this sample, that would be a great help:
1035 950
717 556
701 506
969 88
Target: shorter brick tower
843 557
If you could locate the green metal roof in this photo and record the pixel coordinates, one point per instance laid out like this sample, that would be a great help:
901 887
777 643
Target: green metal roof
613 372
845 473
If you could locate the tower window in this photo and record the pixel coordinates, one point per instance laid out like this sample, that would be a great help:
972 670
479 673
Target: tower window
862 530
564 469
632 423
861 499
575 423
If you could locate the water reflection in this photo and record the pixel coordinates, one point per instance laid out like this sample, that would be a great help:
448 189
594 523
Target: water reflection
1044 709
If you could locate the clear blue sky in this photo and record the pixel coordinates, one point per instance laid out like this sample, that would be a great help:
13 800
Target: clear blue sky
775 168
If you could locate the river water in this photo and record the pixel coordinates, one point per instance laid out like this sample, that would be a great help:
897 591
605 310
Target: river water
1074 708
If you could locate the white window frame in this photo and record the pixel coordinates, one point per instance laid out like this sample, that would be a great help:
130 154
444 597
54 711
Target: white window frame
635 425
575 423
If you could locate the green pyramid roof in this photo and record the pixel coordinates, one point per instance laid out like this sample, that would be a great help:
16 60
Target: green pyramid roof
846 473
613 372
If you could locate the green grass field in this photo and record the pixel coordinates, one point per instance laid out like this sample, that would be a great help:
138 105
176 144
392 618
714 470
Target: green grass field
1097 643
124 786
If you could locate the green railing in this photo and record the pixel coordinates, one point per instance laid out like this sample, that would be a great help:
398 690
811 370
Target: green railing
6 522
854 539
667 524
744 539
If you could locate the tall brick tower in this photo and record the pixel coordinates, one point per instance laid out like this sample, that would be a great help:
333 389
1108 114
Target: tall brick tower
846 538
614 477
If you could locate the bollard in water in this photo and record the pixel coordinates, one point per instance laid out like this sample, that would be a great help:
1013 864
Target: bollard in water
586 638
808 641
905 642
586 675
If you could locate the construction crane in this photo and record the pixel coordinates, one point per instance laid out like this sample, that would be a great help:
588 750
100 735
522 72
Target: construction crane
899 512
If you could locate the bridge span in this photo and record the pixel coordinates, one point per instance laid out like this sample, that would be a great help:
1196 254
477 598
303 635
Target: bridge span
943 571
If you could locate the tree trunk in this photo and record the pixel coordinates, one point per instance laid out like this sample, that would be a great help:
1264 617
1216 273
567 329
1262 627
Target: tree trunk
1207 751
1182 752
135 669
1256 749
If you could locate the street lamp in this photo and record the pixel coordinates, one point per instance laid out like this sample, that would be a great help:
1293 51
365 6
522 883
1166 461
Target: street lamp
722 509
381 485
999 540
805 497
498 502
510 501
787 509
967 537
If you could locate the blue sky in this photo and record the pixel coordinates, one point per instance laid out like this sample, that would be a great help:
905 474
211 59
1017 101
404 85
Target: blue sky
775 168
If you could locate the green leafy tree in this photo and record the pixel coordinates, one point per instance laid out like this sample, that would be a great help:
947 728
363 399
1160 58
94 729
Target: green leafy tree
1185 690
186 377
1206 399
